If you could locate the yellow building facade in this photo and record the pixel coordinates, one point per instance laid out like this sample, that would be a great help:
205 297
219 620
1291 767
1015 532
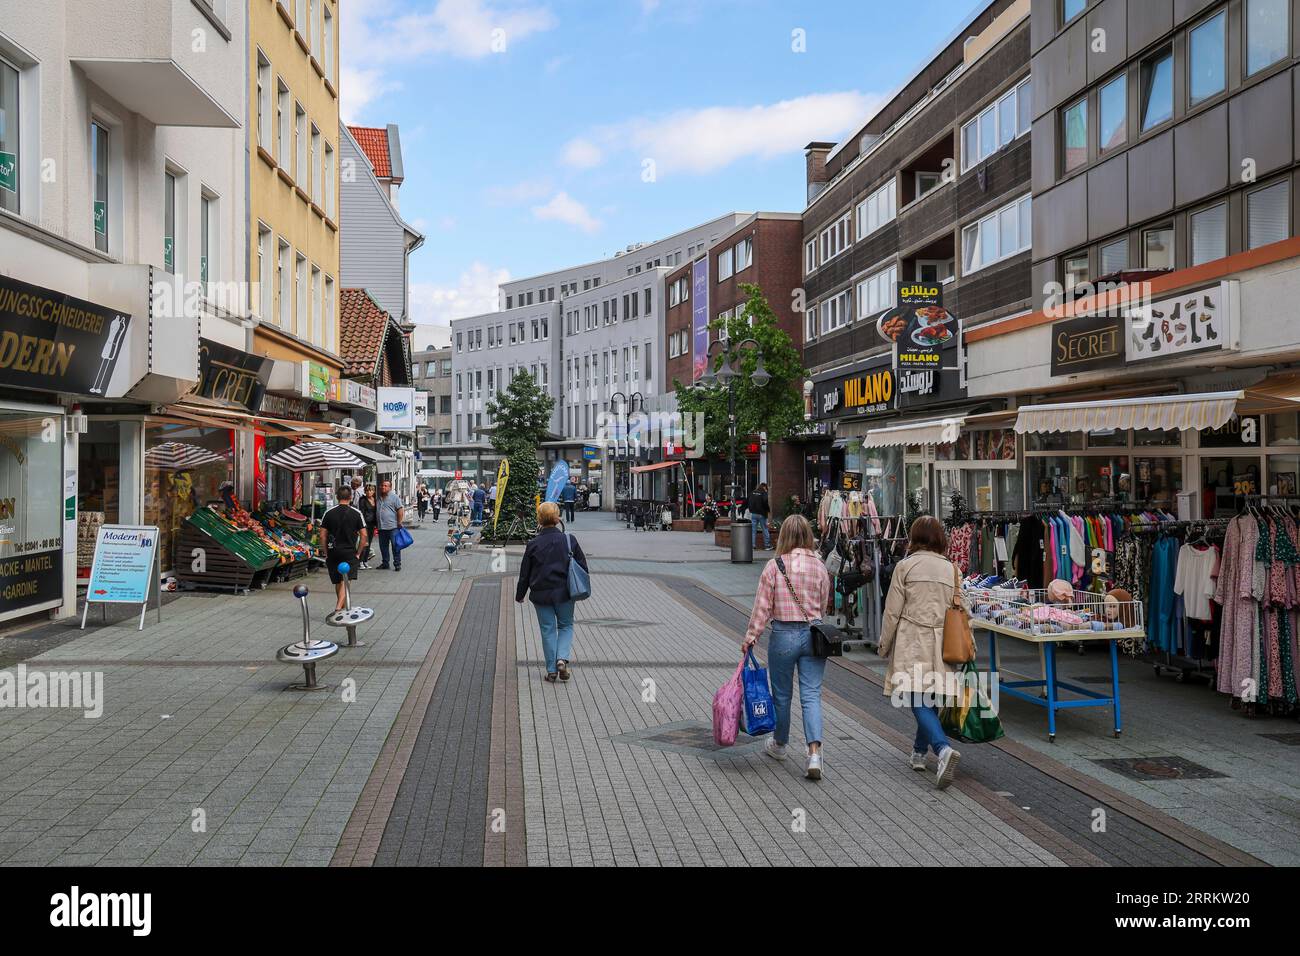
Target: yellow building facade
293 184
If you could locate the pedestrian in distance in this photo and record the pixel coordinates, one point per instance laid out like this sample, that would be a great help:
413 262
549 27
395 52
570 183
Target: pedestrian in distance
368 504
544 579
422 502
345 536
492 499
479 497
792 592
389 514
569 498
920 593
759 509
435 503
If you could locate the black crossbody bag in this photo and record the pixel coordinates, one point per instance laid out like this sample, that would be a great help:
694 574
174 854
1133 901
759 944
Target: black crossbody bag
827 640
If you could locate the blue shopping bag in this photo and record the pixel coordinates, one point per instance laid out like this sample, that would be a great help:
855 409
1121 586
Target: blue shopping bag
760 710
402 539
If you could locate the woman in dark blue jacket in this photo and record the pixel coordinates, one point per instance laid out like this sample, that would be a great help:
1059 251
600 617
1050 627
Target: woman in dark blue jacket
544 577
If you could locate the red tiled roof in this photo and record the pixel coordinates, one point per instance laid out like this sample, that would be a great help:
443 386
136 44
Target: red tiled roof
374 143
362 326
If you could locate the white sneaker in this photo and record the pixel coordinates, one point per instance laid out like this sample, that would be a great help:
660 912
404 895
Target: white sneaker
814 771
918 761
774 750
947 768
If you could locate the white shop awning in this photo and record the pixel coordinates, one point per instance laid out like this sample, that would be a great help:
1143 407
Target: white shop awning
1158 412
368 454
940 431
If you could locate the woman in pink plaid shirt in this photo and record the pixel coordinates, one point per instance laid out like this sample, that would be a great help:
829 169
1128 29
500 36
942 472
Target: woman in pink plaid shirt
792 592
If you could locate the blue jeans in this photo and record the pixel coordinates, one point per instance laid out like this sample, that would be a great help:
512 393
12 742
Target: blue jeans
386 544
556 623
929 732
760 521
476 514
790 646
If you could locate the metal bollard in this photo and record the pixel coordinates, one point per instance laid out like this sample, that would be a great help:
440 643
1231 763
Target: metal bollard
306 652
350 616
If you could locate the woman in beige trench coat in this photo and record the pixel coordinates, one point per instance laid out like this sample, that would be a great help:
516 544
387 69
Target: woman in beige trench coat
920 593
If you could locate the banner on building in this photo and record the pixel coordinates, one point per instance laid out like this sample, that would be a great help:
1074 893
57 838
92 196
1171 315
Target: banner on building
1189 322
396 409
56 343
503 479
699 318
421 409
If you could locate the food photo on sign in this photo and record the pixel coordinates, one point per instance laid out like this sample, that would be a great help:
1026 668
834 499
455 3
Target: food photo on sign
919 326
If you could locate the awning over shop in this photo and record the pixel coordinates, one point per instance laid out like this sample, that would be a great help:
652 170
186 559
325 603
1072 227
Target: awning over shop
942 431
1157 412
368 454
658 466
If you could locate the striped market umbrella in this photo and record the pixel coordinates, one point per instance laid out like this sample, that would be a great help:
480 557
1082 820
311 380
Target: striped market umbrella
315 456
179 456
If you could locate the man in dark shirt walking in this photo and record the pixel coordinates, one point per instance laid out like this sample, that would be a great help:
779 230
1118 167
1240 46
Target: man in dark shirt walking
568 498
759 508
345 536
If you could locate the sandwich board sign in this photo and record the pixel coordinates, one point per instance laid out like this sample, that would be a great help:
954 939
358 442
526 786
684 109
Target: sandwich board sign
125 568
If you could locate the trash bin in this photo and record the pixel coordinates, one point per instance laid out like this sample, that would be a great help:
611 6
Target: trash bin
742 541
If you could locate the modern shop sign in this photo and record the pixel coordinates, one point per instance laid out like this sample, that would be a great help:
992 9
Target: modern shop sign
54 342
125 568
1242 431
315 381
347 392
421 408
1190 322
30 580
1087 344
918 388
231 377
280 406
868 391
590 453
919 326
396 409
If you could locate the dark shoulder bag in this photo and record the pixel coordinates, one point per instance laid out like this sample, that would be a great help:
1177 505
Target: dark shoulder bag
827 640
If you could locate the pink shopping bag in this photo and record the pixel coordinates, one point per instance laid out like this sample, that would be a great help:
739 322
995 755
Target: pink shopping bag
727 705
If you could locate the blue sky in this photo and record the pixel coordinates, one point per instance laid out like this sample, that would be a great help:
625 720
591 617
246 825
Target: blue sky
530 127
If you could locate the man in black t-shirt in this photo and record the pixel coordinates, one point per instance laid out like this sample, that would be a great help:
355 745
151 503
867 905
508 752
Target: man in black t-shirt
345 535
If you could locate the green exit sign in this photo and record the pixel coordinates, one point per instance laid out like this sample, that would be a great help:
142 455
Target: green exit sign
101 217
8 171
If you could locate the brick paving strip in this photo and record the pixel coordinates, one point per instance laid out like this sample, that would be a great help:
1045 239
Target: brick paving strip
1209 848
361 837
504 843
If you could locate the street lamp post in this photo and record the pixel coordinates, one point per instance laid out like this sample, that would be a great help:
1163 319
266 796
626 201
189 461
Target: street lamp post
624 403
726 376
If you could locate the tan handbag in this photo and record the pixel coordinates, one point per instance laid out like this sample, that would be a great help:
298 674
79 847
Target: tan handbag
958 641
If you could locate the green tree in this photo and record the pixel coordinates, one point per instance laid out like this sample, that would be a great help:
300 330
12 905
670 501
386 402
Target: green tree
522 416
775 408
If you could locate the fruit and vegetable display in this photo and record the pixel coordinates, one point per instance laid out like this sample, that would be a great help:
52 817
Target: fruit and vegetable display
257 539
294 528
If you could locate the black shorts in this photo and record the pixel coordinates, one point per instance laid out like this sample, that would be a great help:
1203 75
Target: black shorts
338 557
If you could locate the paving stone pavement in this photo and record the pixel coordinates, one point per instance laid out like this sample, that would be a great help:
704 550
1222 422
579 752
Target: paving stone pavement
455 752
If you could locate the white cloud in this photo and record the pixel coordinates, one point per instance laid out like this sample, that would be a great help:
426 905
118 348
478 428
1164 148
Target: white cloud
524 191
474 293
582 153
709 139
375 35
564 208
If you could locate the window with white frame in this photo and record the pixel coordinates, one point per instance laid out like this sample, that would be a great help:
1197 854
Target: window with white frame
723 318
331 326
102 174
208 244
809 256
317 312
724 265
301 170
877 293
283 124
266 290
327 43
997 125
836 312
284 286
744 253
263 101
315 166
997 236
329 181
878 209
835 238
302 318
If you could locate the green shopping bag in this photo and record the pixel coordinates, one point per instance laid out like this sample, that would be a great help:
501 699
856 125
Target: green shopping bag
971 718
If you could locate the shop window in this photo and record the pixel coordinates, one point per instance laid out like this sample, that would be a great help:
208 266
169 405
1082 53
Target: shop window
1074 134
1223 480
1055 441
1079 479
1282 472
1157 438
1208 59
1267 33
183 471
1156 481
1157 77
1283 429
1114 438
31 486
1112 113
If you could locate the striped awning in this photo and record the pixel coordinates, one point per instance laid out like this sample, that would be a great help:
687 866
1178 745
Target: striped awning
315 456
1159 412
179 456
368 454
942 431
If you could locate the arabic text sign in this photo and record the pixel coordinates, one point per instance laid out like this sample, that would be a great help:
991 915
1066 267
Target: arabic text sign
123 569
